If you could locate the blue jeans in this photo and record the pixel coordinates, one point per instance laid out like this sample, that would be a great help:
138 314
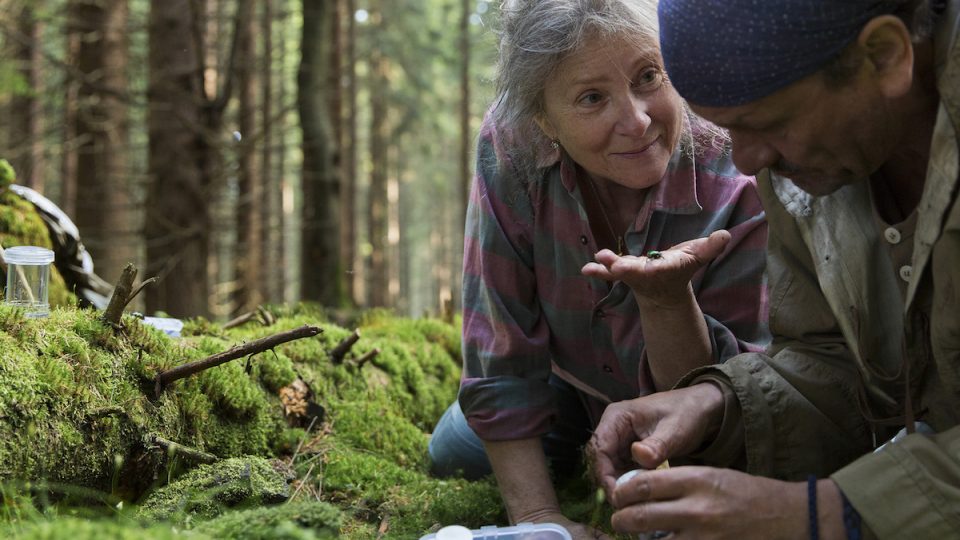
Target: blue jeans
455 450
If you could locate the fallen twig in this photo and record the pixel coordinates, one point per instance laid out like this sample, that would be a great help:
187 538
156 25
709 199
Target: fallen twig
370 355
300 484
340 351
176 448
164 378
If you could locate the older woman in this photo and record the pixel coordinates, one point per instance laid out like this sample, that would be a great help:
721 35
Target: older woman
611 247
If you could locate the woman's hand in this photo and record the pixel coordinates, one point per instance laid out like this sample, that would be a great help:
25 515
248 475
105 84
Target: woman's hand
660 279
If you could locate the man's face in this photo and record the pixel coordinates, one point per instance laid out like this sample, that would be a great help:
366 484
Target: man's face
820 137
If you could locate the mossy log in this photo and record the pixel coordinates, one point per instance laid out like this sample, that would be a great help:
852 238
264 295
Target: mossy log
77 409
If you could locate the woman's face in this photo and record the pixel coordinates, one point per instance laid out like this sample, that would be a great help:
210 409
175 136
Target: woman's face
613 111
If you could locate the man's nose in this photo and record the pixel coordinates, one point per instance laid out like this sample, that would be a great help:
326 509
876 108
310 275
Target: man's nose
751 153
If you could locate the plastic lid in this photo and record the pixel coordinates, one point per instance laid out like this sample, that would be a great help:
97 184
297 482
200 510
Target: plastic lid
31 255
454 532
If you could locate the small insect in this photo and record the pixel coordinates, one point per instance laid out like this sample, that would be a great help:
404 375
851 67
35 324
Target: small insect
654 254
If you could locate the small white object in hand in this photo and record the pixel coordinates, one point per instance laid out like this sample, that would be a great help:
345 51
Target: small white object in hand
625 477
454 532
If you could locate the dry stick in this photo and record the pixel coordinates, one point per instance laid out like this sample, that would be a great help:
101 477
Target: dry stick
185 451
300 444
257 346
140 288
342 348
120 294
370 355
239 320
300 485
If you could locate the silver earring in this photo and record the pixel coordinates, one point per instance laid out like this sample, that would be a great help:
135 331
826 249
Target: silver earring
555 144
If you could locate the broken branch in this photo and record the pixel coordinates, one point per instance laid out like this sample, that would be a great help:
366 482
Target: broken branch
257 346
370 355
176 448
121 292
340 351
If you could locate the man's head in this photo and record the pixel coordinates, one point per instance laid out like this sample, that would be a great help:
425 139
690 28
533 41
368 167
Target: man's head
817 90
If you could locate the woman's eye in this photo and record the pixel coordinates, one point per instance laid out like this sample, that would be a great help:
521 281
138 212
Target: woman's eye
649 79
590 98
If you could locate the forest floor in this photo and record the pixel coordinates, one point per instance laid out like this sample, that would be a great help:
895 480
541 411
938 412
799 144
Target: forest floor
299 441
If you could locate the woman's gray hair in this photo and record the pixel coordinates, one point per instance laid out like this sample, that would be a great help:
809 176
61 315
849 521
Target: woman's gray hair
537 35
535 38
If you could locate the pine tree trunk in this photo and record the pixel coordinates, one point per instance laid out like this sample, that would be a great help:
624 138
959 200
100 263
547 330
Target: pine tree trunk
322 276
26 111
104 206
350 157
249 257
377 288
272 209
177 217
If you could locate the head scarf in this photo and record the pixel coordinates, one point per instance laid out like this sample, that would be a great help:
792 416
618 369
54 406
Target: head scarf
723 53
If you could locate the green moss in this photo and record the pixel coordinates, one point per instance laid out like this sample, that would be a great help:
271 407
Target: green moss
7 175
299 520
84 393
208 490
72 528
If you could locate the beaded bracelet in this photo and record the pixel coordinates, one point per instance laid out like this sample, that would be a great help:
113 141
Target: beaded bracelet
851 519
812 507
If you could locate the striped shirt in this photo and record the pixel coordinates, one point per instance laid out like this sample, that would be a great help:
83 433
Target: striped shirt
528 310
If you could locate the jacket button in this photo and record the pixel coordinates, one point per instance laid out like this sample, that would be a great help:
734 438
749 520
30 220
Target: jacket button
583 240
905 272
607 368
892 235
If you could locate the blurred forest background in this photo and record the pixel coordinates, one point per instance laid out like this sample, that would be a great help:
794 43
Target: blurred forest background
255 151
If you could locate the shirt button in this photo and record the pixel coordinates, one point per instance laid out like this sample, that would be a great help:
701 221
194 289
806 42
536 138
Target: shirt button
892 235
905 272
601 314
583 240
607 368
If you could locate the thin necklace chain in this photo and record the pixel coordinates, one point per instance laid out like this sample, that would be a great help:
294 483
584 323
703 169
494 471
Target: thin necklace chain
596 195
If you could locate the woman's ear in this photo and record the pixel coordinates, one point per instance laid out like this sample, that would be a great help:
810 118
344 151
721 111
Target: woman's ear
888 49
545 126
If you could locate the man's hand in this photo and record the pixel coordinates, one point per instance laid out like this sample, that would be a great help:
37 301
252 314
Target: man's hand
647 431
664 279
713 504
578 531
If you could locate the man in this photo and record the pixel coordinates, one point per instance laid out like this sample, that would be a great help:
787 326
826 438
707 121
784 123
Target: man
848 110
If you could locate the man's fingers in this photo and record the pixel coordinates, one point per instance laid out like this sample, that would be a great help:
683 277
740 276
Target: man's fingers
652 486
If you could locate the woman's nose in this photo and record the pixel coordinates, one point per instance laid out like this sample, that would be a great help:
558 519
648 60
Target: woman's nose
752 153
634 118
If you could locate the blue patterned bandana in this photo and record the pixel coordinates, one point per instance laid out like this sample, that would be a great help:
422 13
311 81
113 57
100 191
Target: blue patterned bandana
723 53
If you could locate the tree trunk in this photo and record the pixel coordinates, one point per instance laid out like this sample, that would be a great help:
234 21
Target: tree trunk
378 285
177 220
466 138
272 209
104 206
26 110
249 257
350 156
321 270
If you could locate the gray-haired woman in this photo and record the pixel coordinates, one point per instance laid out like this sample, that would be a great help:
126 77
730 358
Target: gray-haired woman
611 247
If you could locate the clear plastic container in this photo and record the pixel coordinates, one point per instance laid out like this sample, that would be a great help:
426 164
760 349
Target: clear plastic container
522 531
28 278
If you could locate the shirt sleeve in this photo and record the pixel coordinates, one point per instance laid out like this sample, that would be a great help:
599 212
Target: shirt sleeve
732 289
797 403
504 392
